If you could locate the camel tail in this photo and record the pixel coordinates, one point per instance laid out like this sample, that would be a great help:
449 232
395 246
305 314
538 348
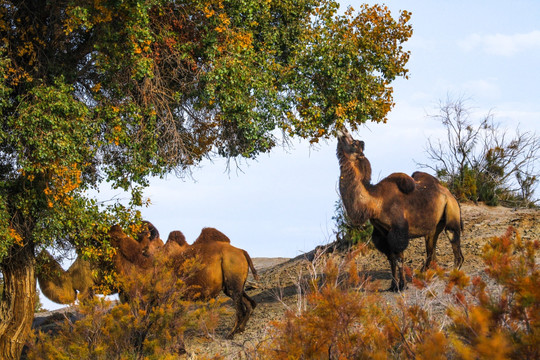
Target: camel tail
454 220
250 263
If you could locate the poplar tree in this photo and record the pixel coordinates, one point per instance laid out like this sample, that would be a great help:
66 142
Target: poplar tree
118 91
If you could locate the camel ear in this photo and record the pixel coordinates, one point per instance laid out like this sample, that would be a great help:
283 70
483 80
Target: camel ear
362 145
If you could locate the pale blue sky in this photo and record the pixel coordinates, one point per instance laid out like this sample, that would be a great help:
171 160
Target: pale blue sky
281 205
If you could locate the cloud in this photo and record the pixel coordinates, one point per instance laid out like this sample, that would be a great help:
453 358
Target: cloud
501 44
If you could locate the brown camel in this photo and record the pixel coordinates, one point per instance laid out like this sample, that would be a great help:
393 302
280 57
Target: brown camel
175 245
61 286
400 207
220 266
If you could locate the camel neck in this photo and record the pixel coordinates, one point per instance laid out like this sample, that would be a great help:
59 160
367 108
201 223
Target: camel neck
354 187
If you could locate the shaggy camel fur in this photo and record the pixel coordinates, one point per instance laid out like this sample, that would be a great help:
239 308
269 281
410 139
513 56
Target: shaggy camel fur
220 267
399 207
61 286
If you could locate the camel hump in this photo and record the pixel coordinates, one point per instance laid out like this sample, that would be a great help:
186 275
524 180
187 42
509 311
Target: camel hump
404 182
116 229
210 235
178 237
425 178
150 230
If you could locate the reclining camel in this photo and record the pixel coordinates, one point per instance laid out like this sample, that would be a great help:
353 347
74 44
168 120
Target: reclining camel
61 286
222 267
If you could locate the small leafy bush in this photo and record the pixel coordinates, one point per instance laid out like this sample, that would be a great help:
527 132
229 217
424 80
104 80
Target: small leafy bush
346 233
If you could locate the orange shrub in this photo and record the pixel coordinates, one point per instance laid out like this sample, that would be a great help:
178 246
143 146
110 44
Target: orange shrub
150 325
500 317
485 318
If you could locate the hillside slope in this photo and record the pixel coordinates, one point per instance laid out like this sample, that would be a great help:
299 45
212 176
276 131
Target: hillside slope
278 289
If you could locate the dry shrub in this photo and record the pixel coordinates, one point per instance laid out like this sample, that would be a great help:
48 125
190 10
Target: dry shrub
149 325
501 320
344 318
341 315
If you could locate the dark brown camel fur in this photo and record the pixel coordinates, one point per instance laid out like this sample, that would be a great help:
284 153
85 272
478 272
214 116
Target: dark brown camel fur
61 286
221 267
399 207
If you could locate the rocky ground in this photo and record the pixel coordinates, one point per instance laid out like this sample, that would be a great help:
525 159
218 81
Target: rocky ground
277 289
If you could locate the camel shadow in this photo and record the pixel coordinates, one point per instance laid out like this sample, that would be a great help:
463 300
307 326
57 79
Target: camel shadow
278 293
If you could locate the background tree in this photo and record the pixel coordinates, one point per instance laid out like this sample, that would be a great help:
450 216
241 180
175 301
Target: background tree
118 91
482 162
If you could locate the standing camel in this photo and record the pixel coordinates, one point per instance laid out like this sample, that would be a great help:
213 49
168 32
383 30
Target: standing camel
221 267
399 207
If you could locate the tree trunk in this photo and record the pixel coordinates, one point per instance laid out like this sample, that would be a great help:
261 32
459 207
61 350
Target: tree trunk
18 302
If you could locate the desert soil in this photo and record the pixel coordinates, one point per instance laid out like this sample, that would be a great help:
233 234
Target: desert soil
277 288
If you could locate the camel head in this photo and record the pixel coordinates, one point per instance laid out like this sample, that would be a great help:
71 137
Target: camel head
350 153
348 147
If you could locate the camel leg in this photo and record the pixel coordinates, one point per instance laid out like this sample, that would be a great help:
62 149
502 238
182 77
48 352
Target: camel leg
380 240
431 244
248 305
400 261
398 240
455 240
252 302
393 272
241 313
398 273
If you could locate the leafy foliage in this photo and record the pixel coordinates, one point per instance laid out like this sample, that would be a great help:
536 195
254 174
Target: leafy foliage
119 91
346 233
113 91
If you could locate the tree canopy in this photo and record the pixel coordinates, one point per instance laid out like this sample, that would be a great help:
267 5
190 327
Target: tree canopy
118 91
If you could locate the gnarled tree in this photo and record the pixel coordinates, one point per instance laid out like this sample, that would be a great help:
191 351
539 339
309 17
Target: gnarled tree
95 91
